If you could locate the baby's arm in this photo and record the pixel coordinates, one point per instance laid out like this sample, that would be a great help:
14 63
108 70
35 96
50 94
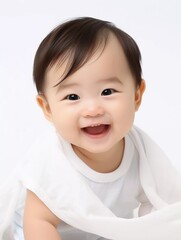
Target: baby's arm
39 221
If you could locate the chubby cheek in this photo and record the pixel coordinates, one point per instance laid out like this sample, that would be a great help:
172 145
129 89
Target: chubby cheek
124 114
64 122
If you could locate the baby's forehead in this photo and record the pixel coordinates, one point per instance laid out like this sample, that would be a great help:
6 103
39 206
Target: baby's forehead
73 55
76 57
108 58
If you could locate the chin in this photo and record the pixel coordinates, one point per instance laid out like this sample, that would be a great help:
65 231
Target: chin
98 149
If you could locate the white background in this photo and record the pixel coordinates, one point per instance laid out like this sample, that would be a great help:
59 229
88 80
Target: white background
154 24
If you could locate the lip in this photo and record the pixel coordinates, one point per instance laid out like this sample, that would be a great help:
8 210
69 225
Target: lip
103 131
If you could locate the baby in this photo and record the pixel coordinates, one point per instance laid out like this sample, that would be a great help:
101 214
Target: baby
85 179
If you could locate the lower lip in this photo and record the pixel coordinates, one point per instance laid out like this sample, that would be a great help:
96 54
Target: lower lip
100 135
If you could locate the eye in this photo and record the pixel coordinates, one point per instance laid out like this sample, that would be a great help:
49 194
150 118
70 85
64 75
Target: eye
72 97
108 91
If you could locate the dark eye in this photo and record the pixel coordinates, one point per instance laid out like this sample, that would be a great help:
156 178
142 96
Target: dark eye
108 91
72 97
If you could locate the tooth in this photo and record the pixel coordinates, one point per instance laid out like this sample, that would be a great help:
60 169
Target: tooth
95 125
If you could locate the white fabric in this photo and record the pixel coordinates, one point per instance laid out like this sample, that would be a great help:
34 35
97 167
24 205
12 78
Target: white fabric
119 190
82 209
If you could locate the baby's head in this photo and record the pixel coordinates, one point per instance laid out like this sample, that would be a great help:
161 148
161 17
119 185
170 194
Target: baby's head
88 77
75 42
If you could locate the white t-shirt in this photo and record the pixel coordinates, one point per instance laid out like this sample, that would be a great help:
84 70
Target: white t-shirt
119 190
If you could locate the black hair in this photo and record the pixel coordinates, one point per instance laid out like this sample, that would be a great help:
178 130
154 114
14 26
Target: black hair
77 40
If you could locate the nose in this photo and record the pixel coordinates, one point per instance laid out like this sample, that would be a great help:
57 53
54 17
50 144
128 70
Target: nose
93 109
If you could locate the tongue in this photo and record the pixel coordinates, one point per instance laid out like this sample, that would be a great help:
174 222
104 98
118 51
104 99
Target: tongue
95 130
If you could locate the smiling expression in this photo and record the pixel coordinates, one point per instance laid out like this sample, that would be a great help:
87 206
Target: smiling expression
94 108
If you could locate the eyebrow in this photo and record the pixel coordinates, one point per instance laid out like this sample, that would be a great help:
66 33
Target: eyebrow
64 85
112 80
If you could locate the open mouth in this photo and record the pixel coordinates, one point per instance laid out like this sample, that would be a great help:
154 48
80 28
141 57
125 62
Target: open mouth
96 130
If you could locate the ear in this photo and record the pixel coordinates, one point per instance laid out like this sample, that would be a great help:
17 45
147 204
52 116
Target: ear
139 93
44 105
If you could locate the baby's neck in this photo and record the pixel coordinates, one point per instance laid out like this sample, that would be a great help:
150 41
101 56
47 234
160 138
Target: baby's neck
103 162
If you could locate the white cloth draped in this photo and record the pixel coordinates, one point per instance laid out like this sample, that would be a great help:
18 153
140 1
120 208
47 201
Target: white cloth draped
78 206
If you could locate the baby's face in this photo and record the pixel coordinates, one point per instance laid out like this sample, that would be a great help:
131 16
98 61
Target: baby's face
94 108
